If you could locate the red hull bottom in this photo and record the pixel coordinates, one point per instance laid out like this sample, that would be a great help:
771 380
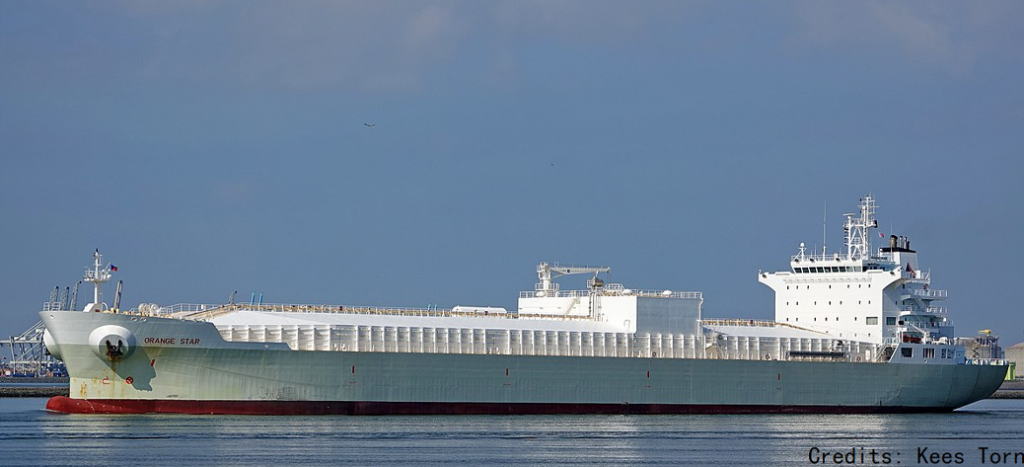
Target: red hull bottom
134 406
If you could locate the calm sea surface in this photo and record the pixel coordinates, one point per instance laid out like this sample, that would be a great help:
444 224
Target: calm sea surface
31 436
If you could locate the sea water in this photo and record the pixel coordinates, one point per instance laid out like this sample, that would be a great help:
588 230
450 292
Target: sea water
30 436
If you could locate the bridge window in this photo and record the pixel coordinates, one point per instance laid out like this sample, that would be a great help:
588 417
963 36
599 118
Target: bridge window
908 352
929 353
890 321
871 321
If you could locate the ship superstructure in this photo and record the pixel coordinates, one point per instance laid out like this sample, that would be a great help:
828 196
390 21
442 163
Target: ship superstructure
876 296
854 332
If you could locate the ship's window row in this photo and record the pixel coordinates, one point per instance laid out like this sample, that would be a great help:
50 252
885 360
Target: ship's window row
868 321
831 269
808 287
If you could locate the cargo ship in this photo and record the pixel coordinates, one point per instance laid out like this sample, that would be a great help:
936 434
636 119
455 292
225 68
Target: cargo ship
855 331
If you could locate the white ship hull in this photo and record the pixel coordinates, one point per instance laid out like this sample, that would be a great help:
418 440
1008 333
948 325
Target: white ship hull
193 370
859 331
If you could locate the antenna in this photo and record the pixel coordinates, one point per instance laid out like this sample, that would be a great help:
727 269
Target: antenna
824 229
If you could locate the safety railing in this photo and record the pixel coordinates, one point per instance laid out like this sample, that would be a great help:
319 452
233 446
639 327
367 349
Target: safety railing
200 312
612 293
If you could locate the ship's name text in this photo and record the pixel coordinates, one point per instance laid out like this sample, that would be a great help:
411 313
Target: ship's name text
171 341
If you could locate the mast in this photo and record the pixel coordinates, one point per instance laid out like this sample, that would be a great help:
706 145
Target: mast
97 275
858 242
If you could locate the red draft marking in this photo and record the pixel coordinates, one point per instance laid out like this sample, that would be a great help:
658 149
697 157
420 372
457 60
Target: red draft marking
648 375
152 362
353 369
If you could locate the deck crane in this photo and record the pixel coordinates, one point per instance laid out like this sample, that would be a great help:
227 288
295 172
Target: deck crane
546 272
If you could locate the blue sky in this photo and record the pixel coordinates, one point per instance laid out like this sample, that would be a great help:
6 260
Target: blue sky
207 147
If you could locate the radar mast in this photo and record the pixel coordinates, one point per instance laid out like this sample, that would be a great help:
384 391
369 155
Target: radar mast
858 242
97 275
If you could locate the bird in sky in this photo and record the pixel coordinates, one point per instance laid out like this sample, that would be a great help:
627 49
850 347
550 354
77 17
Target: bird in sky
371 125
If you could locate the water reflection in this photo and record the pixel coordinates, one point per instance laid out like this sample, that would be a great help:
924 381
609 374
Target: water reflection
31 436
